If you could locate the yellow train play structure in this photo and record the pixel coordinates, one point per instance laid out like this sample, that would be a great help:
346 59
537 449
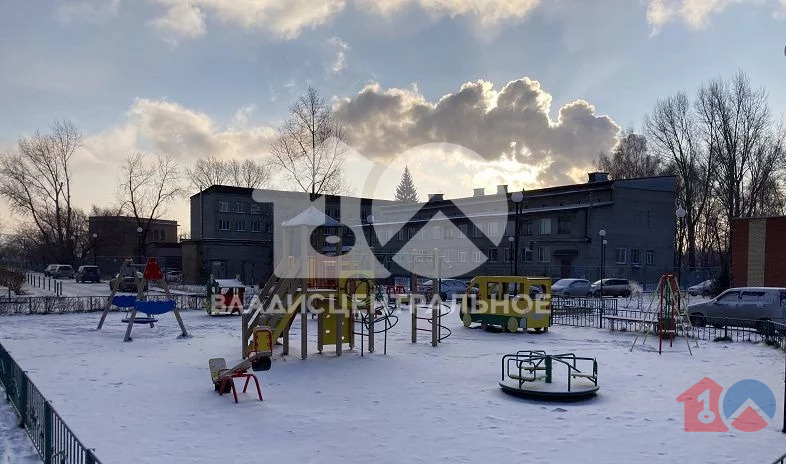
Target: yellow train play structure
510 302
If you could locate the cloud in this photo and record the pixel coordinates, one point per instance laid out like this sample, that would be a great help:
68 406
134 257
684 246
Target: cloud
694 13
339 63
90 11
511 124
287 20
162 126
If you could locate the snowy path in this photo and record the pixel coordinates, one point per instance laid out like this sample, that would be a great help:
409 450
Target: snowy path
152 401
15 446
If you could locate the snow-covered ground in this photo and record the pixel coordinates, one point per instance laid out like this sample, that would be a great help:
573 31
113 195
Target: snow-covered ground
151 400
15 446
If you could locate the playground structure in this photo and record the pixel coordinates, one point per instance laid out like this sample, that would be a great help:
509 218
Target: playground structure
671 316
139 303
258 359
340 290
523 371
510 302
224 297
433 307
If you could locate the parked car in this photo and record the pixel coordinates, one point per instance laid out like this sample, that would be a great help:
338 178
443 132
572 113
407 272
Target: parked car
755 307
50 269
173 276
62 271
612 287
450 288
572 287
87 273
127 282
702 289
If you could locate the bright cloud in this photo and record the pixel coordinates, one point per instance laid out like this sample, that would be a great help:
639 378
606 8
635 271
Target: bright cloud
508 126
339 63
90 11
694 13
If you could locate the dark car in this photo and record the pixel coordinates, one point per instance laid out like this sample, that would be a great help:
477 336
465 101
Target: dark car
612 287
62 271
127 281
88 274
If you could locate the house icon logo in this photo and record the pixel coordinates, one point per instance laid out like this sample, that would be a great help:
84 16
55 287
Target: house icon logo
748 406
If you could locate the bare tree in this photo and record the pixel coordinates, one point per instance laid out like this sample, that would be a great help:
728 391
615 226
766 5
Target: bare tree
213 171
147 187
674 135
309 147
37 183
630 158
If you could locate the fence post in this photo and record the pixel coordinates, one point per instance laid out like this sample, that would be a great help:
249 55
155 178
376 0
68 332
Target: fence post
23 400
48 432
602 307
90 457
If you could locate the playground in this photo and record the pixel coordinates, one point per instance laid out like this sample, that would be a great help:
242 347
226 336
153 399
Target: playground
151 400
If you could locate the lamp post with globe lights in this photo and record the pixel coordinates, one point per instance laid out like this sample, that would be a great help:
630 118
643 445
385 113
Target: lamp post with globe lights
603 243
680 213
139 240
95 248
516 197
513 250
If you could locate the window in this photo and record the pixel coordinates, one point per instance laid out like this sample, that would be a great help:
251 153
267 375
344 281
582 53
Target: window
449 252
223 224
223 206
163 235
462 230
563 226
436 233
351 215
526 228
493 255
544 255
422 233
635 256
478 256
476 232
240 226
508 255
752 296
462 256
622 255
255 209
493 229
526 255
545 226
400 234
650 256
240 207
449 232
255 226
728 297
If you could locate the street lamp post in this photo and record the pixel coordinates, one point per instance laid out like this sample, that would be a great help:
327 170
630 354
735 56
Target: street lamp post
603 242
680 213
513 251
516 197
95 247
139 239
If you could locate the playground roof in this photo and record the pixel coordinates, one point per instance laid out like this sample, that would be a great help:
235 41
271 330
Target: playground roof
311 217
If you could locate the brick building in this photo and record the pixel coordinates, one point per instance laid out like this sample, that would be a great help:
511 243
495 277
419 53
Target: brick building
758 252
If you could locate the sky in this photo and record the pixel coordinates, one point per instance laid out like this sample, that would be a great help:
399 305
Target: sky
467 93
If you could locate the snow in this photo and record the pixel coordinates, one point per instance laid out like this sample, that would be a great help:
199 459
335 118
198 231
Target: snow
151 400
15 446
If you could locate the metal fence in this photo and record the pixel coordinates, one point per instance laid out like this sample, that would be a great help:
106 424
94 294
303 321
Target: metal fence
591 312
82 304
780 460
54 441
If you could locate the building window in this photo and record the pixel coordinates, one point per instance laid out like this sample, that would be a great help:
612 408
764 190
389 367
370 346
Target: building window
650 255
436 233
622 255
526 255
240 207
223 206
476 232
563 225
240 226
544 255
493 255
223 224
635 256
449 254
422 233
462 256
449 232
462 231
508 255
163 235
526 228
255 209
545 226
400 234
478 256
493 228
255 226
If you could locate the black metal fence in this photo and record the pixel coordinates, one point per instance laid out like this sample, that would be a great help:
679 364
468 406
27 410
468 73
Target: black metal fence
54 441
780 460
82 304
592 312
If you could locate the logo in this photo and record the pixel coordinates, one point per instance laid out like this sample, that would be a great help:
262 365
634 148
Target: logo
748 406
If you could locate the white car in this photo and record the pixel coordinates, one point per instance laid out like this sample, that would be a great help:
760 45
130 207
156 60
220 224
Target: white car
449 288
702 289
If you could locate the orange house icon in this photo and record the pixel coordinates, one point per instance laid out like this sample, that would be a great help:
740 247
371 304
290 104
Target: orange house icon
701 411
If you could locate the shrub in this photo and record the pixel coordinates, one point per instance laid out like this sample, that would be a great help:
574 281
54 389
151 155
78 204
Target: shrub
12 279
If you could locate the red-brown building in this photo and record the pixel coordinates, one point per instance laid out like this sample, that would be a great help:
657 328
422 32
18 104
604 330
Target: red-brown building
758 252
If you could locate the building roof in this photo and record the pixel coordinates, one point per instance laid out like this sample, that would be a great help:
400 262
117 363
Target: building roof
132 219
